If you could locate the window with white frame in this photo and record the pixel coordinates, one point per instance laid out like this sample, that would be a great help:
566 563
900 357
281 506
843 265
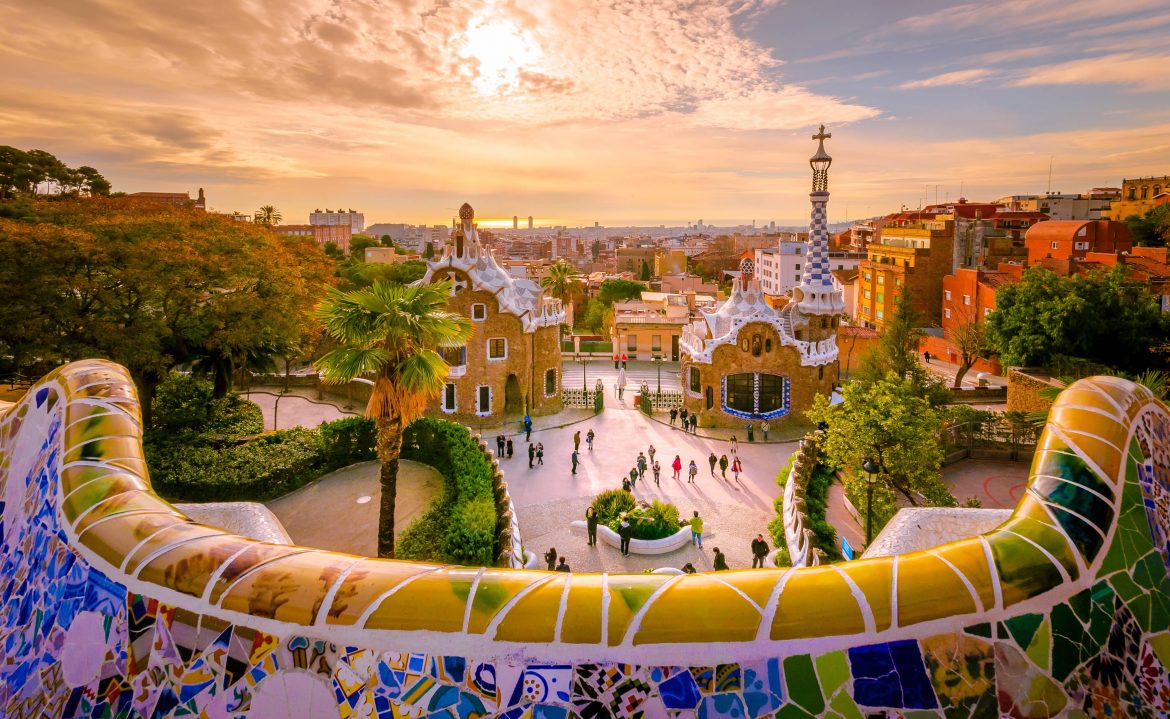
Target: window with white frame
479 312
947 295
448 404
1055 245
967 299
986 311
656 343
497 348
947 313
483 400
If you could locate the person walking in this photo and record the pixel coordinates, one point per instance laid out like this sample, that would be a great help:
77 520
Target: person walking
926 356
575 459
673 415
689 568
764 427
550 558
500 446
759 551
527 428
692 470
562 567
589 439
683 414
540 453
651 452
657 473
723 466
694 422
625 532
676 465
591 525
696 530
736 468
577 441
720 561
508 448
641 465
621 382
751 432
633 477
712 460
626 487
625 358
531 454
733 443
616 361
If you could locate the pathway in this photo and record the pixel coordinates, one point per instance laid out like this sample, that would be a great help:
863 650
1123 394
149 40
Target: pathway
298 407
997 484
340 510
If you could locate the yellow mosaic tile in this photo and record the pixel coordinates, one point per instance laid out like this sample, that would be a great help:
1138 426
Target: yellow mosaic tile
816 602
929 589
683 613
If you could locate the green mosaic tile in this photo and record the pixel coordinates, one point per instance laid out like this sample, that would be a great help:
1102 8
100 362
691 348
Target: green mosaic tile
1141 607
980 630
1001 631
1072 468
844 706
1039 647
791 711
1161 645
1125 587
1022 567
1081 603
1149 571
1068 636
1023 628
833 671
802 683
1159 611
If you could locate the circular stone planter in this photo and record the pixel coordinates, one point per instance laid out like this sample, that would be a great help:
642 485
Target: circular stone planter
639 546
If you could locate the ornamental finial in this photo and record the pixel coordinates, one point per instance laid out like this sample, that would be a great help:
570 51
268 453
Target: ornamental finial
820 162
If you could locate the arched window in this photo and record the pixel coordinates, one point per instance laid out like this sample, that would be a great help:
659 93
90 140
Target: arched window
710 397
821 372
694 380
1145 192
752 395
1157 190
1133 193
768 345
743 343
757 345
550 382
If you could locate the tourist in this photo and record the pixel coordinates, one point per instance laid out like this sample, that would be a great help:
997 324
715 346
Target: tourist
692 470
641 465
625 532
500 446
734 444
712 460
673 415
697 530
626 486
591 525
651 452
694 422
759 551
531 454
625 358
562 567
550 557
527 428
633 477
723 466
540 453
751 432
589 439
508 448
764 427
683 414
720 561
736 468
577 441
676 465
576 459
621 383
689 568
926 356
657 473
616 361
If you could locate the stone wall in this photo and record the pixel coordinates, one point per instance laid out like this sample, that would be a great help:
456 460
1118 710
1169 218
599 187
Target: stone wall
112 603
804 382
1024 387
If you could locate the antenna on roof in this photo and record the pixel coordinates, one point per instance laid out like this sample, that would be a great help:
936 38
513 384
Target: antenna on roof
1050 173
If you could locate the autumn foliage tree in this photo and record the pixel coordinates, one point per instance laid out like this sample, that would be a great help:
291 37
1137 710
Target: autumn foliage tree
152 287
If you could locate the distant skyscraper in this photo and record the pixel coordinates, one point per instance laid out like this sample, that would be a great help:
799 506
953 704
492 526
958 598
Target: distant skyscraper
515 222
530 222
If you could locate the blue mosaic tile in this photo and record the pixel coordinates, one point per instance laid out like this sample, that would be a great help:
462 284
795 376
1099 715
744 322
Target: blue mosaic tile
722 706
680 691
891 675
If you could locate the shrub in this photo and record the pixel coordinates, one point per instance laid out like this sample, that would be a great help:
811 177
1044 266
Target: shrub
349 440
647 521
611 503
184 405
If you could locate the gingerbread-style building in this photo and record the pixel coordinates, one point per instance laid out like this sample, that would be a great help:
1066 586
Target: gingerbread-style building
747 361
512 363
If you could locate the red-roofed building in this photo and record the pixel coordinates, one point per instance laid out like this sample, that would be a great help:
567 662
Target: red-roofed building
1064 240
173 199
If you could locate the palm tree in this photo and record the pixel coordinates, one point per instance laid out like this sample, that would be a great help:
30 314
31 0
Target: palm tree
391 332
268 216
561 282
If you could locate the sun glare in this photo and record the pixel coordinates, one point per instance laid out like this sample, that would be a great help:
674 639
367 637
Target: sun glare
501 49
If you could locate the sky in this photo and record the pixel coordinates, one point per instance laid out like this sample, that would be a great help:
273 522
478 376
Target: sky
582 111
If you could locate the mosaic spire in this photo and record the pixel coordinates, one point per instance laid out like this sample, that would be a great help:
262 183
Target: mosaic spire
816 293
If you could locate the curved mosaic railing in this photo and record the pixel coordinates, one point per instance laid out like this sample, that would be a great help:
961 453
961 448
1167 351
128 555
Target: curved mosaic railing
114 603
802 551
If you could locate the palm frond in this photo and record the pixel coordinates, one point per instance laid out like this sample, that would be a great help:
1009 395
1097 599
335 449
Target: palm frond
345 363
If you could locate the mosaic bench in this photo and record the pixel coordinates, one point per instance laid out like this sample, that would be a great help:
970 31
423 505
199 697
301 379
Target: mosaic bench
116 604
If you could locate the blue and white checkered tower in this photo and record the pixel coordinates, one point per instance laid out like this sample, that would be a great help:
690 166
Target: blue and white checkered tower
816 293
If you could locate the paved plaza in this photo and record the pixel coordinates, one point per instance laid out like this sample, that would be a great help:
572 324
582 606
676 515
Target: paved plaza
637 372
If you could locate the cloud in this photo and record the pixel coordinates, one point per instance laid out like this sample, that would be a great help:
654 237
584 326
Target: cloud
959 77
1002 17
1141 72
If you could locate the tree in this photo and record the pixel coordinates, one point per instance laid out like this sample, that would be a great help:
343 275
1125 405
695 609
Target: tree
429 252
386 240
1105 317
392 332
890 423
561 281
364 274
897 352
617 289
24 172
970 338
645 274
268 216
358 245
1151 229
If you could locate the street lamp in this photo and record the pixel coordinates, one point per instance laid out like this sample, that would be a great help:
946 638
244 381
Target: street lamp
582 361
658 360
871 469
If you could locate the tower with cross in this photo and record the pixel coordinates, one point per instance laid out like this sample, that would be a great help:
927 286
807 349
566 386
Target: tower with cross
819 302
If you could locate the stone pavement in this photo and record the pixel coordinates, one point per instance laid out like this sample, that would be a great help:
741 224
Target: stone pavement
998 484
637 372
310 514
298 407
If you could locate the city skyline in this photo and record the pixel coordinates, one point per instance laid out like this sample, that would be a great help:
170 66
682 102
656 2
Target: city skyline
651 115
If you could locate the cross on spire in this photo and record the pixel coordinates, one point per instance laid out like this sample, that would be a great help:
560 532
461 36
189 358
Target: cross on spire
822 135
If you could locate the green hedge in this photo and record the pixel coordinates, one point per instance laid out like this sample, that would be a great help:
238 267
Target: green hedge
191 467
816 496
657 520
461 525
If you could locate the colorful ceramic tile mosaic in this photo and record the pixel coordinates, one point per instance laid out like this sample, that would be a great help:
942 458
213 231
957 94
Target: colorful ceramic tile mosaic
115 604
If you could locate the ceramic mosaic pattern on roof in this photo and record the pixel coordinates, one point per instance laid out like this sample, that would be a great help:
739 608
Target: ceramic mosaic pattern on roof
115 604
